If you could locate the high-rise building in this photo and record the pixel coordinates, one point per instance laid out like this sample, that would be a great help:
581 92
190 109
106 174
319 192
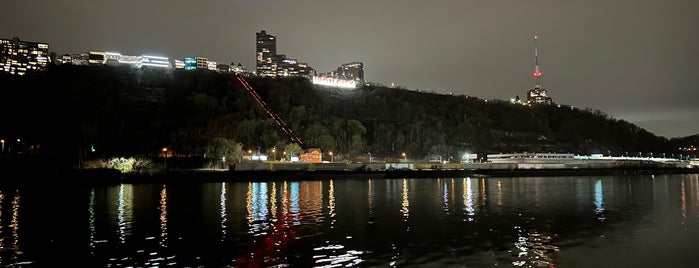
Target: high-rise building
351 71
537 95
266 48
271 64
19 57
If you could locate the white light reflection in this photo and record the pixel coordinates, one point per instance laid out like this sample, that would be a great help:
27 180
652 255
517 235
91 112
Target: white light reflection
445 198
468 200
599 200
163 216
347 259
683 203
405 205
273 202
223 211
91 221
331 204
15 222
257 207
294 203
124 210
285 200
533 249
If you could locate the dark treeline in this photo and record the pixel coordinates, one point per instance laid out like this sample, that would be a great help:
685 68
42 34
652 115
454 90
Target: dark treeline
68 110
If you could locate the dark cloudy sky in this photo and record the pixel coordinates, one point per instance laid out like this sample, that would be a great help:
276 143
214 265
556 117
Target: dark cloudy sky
637 60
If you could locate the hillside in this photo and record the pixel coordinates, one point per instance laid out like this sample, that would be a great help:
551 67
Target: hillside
67 110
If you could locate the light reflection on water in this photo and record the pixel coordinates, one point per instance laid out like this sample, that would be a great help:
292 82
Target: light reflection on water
531 222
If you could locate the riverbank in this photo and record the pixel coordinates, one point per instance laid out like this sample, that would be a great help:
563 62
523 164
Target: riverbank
196 176
32 172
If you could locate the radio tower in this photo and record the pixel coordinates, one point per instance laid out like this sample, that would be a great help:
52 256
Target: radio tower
537 95
537 73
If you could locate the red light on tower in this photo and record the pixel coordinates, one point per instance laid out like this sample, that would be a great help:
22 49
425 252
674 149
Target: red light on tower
537 74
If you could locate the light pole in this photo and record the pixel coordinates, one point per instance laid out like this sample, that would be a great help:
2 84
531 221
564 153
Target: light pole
405 159
369 157
165 156
331 157
3 146
224 162
274 152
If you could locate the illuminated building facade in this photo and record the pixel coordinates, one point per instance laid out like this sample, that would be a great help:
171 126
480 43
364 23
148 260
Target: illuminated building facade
190 63
270 64
202 63
116 59
80 59
351 71
266 48
97 57
19 57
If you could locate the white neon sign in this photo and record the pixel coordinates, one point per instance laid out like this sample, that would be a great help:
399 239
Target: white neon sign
334 82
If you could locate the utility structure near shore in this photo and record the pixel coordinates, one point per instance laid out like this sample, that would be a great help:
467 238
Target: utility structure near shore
537 95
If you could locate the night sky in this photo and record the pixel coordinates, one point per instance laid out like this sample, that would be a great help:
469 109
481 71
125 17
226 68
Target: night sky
636 60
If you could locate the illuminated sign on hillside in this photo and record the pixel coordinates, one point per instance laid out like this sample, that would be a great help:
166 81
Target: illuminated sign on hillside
334 82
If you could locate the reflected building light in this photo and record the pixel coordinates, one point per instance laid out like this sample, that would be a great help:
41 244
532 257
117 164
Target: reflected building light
468 200
599 200
15 222
248 204
405 205
445 198
294 203
453 191
163 216
91 221
683 203
499 198
259 210
285 199
273 202
482 193
124 211
370 197
331 204
223 211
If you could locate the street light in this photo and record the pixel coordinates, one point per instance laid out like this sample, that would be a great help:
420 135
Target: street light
3 146
274 152
224 162
331 157
405 159
165 156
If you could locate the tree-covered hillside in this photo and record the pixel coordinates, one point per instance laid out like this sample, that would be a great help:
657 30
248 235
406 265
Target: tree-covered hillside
68 110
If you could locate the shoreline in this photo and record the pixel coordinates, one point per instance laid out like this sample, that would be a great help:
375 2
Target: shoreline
203 176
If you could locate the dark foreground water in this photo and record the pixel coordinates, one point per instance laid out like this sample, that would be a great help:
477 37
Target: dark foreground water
629 221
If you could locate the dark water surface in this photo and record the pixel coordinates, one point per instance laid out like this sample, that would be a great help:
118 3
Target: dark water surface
623 221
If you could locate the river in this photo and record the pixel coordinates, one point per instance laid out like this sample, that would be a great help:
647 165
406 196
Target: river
604 221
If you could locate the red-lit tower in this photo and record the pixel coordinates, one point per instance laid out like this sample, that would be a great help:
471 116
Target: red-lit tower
537 73
537 95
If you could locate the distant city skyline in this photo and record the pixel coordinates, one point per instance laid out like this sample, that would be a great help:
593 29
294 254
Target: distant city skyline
635 60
